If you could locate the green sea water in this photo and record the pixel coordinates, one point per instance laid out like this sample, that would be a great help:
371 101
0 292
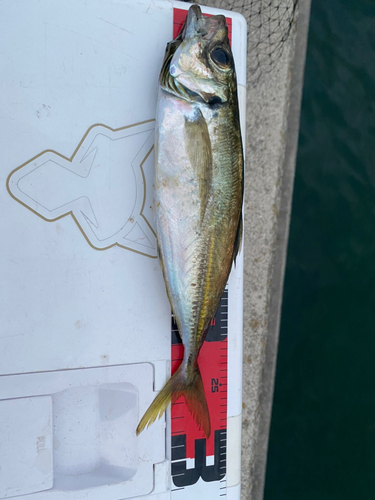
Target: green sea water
322 440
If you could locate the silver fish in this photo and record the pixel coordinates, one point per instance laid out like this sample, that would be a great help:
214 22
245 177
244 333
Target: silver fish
198 193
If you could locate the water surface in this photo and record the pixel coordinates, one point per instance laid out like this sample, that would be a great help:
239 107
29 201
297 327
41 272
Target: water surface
322 441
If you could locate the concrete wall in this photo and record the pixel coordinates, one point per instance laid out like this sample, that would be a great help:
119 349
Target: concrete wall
273 108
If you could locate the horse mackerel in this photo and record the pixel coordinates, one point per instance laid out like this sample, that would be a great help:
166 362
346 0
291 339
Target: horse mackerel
198 193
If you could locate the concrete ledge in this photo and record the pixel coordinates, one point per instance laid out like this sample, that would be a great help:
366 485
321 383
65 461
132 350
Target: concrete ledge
277 282
273 108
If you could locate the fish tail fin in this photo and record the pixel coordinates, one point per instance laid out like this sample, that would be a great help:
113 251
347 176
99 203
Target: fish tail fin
191 387
195 398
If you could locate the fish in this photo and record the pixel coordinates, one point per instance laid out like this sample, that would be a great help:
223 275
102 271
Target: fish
198 194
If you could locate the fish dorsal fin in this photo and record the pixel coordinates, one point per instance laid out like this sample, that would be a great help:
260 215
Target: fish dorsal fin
238 239
198 145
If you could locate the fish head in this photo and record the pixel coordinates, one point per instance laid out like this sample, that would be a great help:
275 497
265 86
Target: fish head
199 63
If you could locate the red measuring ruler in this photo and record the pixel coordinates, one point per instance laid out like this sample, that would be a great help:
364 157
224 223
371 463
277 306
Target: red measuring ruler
189 444
199 464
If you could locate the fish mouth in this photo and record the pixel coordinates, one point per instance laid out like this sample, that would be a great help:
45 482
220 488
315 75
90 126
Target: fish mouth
191 95
198 24
191 25
173 85
203 97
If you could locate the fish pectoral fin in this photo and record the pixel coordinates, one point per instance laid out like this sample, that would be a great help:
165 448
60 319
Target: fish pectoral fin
198 146
191 387
238 239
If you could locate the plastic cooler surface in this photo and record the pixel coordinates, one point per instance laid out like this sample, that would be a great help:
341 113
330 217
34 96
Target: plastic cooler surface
87 336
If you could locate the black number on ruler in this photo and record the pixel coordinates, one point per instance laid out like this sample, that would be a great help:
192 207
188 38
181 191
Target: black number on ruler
186 477
215 385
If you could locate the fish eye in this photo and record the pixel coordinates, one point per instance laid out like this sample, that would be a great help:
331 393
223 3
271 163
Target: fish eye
220 57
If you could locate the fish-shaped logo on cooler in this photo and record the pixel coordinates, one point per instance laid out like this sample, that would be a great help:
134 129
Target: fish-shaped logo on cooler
102 186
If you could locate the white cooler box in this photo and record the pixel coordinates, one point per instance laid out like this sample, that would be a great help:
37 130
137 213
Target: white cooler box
86 336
